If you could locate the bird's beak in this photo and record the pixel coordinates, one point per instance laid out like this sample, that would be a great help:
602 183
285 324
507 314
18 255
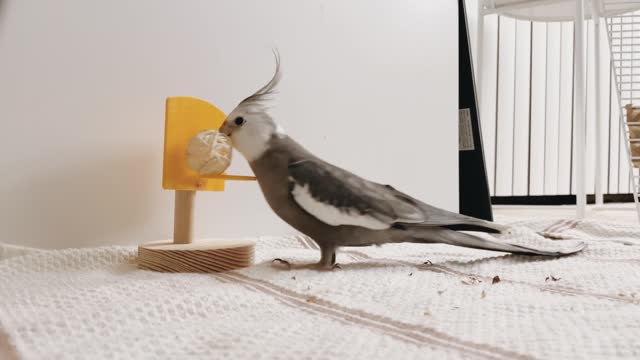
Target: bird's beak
225 129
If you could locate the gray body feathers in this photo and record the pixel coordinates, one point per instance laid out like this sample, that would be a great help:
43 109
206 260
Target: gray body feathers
287 164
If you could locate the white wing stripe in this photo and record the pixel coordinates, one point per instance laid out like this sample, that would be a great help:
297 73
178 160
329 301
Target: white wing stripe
330 214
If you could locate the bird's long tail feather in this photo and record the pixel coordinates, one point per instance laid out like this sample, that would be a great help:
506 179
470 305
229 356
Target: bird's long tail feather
485 226
471 241
473 225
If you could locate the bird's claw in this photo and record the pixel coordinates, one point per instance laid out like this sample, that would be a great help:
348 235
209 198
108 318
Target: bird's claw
547 235
326 267
315 266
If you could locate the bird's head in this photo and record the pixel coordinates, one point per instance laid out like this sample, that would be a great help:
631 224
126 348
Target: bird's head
249 125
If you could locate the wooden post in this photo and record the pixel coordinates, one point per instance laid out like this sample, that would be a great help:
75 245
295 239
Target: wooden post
185 255
183 217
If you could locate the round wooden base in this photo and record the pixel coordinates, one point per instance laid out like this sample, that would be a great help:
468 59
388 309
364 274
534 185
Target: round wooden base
202 256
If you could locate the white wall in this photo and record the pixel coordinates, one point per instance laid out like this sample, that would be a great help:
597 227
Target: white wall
528 74
369 85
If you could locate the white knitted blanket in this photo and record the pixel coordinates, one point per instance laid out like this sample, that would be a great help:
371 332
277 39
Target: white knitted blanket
383 304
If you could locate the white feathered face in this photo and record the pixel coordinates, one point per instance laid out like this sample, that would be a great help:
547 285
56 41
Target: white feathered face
249 125
250 131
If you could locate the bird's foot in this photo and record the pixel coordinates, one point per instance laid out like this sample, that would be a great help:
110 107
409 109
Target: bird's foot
277 262
324 267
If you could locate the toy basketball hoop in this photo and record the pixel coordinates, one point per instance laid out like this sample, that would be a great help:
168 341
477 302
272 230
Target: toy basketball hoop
186 117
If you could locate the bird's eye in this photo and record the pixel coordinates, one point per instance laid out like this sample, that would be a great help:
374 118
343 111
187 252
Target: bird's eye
239 121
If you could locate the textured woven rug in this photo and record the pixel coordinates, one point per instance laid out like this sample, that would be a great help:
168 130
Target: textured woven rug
384 303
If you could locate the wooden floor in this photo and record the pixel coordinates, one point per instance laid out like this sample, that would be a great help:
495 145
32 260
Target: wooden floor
611 212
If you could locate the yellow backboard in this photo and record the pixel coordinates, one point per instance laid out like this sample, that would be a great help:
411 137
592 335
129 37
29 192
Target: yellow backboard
184 118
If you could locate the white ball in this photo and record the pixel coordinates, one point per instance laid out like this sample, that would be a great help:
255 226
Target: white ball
209 152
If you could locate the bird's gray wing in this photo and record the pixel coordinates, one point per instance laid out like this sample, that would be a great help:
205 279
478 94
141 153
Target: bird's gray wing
338 197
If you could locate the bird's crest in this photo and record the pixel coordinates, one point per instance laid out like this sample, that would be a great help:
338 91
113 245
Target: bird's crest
260 98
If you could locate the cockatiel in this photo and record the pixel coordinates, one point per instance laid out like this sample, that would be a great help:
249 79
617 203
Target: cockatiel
335 207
